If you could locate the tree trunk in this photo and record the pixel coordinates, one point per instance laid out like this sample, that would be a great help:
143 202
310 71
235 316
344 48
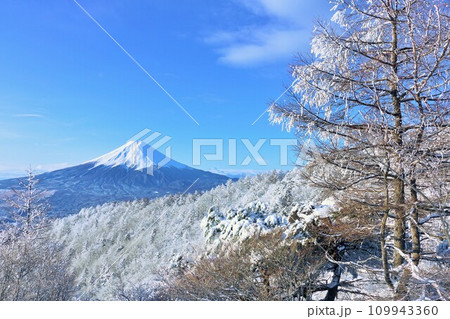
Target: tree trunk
402 291
415 234
399 186
334 284
384 257
399 229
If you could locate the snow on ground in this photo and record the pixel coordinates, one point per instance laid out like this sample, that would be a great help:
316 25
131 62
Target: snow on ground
256 218
127 244
130 242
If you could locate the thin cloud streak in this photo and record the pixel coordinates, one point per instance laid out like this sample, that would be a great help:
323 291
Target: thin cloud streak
16 171
136 62
29 115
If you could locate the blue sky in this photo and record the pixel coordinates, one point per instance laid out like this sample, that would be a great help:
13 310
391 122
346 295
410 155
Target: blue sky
68 93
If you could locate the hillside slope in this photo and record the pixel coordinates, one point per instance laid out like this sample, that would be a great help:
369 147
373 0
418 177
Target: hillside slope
128 243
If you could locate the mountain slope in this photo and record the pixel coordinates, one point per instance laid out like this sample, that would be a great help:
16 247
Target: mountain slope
136 240
119 175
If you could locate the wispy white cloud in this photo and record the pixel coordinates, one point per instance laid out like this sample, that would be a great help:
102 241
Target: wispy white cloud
284 32
286 10
13 171
268 45
29 115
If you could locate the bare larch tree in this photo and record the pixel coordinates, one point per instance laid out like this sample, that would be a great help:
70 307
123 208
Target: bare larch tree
374 99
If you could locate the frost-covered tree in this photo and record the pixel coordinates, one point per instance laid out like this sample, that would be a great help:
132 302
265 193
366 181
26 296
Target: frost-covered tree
28 203
32 266
374 96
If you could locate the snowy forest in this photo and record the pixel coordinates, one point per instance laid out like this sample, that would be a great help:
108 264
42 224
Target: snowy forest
366 217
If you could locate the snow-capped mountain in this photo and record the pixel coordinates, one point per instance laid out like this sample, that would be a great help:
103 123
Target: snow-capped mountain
132 171
137 155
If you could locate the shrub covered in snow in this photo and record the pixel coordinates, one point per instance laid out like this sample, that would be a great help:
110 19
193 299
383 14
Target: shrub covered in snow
256 218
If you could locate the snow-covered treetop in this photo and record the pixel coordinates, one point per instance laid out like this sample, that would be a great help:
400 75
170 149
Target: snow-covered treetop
349 78
257 218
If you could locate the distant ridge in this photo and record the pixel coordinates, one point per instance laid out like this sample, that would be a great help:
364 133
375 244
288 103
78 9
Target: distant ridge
118 176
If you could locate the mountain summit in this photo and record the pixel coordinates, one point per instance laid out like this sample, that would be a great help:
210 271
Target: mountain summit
119 175
136 155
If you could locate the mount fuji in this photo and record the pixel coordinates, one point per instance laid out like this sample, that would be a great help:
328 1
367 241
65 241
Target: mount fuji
132 171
